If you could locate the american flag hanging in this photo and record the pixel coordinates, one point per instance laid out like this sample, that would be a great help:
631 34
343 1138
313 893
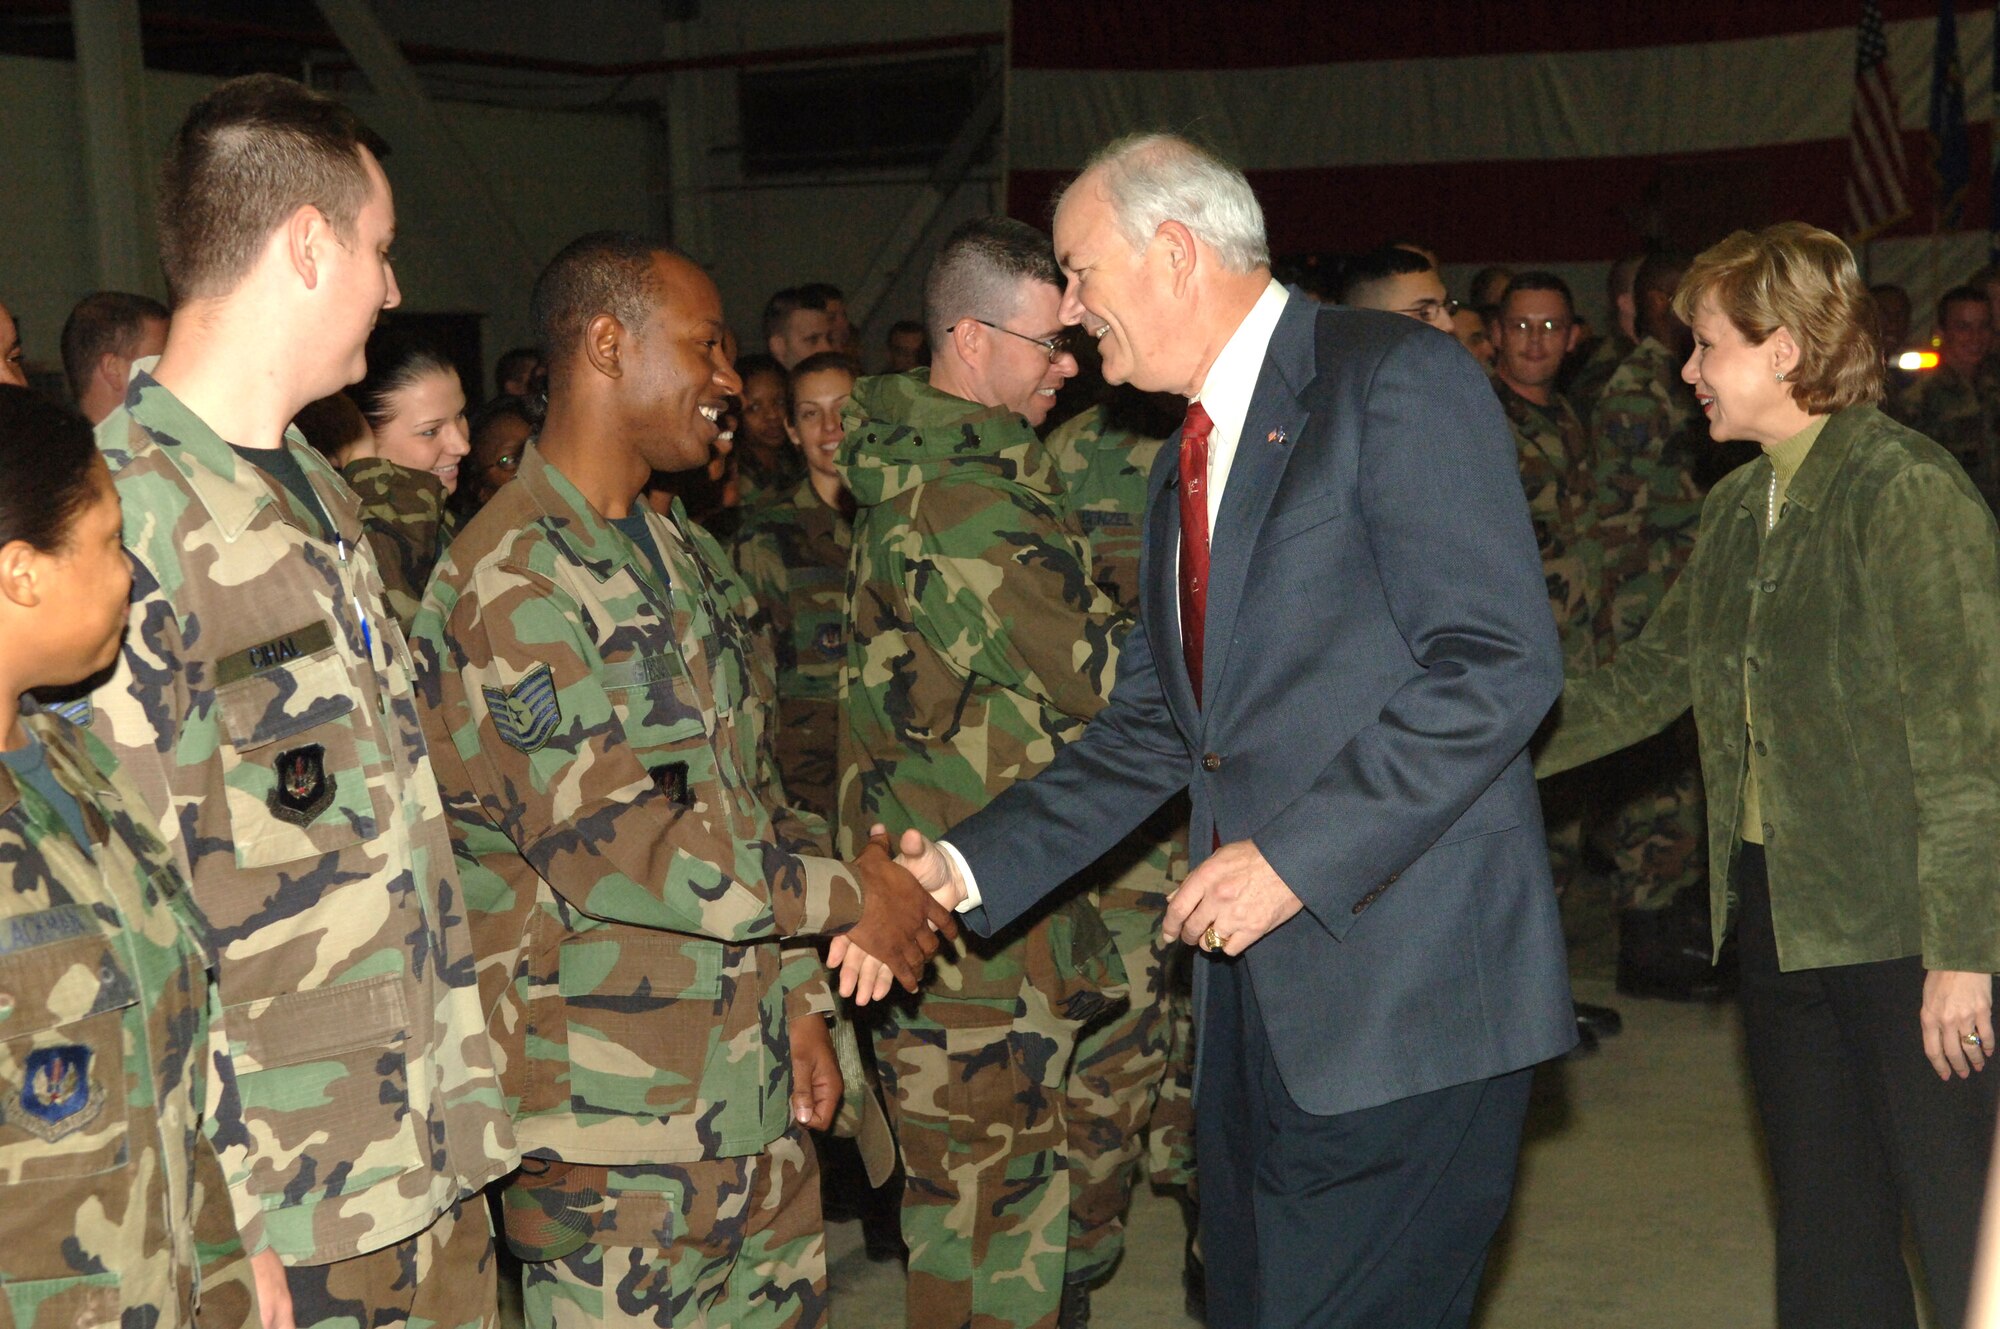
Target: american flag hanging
1876 167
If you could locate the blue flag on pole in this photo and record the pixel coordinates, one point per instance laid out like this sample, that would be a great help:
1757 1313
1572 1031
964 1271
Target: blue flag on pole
1951 155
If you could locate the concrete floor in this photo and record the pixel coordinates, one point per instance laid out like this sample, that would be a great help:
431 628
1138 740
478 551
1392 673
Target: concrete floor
1641 1202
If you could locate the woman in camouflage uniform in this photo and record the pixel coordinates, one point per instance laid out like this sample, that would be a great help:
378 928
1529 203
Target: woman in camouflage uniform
413 402
112 1204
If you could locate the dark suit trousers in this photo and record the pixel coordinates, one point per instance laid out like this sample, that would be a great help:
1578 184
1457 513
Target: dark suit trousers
1373 1218
1860 1130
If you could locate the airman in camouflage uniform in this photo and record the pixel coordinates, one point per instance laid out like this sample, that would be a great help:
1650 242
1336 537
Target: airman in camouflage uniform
115 1208
793 555
1958 403
631 867
1535 331
406 515
263 701
1649 437
1130 1087
980 645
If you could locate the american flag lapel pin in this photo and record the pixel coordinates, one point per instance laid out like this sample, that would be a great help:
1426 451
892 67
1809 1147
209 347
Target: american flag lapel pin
1276 436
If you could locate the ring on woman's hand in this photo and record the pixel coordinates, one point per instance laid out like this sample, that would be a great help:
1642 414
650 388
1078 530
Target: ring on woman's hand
1970 1040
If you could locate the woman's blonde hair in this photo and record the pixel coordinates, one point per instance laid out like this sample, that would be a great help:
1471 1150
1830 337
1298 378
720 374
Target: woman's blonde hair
1797 277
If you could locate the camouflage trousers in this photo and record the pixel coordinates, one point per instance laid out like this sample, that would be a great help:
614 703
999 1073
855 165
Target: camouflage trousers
441 1278
977 1097
1652 817
1124 1066
1566 807
733 1242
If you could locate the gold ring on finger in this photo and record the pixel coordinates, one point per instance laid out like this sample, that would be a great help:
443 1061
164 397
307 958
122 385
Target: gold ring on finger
1212 940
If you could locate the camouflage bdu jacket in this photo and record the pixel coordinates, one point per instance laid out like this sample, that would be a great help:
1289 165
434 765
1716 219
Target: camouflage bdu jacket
628 859
406 515
112 1205
264 707
1103 472
1646 432
1559 474
979 646
793 556
1962 414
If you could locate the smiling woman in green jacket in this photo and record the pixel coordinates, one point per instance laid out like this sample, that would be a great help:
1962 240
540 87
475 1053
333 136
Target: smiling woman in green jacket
1837 633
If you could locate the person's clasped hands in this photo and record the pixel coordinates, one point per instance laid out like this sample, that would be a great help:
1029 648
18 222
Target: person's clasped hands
865 971
901 923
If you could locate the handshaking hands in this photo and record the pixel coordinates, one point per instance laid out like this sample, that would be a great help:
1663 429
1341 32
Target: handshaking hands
900 924
865 971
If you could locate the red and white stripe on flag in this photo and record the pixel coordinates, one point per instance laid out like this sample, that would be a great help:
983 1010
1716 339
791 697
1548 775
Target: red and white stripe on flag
1568 131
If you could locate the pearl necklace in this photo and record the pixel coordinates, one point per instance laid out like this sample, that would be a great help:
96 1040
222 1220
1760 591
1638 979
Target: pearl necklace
1771 503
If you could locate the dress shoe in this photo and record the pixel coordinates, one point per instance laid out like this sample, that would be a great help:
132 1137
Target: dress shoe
1586 1044
1600 1020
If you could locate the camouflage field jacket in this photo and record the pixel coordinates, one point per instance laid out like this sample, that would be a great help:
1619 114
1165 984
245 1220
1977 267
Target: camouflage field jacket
979 647
113 1210
629 861
264 706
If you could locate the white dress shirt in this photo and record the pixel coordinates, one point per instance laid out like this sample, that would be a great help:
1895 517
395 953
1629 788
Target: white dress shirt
1225 393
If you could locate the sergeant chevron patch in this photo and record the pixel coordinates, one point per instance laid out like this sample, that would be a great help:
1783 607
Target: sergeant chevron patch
526 714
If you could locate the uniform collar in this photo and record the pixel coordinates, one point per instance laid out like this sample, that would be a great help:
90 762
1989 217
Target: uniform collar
229 488
588 538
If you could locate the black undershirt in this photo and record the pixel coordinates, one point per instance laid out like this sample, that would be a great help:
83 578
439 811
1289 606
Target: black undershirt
282 466
633 525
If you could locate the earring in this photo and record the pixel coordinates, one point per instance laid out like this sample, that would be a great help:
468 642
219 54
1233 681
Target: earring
1781 376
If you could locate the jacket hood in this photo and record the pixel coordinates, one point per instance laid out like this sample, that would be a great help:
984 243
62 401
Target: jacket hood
902 432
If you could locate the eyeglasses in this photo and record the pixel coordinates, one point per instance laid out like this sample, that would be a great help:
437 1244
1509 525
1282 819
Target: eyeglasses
1430 309
1538 327
1051 346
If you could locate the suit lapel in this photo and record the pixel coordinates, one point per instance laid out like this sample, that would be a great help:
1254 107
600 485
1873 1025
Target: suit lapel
1271 431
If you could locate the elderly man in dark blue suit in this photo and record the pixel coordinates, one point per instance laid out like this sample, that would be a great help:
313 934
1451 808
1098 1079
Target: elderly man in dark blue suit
1345 676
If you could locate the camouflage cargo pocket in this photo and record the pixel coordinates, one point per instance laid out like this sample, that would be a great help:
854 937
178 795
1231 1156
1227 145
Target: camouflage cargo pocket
62 1075
89 1301
643 1013
292 763
325 1088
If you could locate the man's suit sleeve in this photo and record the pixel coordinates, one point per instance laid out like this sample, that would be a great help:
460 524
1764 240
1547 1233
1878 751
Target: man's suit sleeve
1441 500
1040 832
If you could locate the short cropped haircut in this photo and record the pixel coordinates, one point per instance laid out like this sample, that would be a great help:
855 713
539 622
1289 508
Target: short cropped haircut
1360 274
1156 178
1959 295
1539 280
248 156
512 362
103 323
48 457
604 272
979 272
778 310
331 423
1797 277
1660 272
821 295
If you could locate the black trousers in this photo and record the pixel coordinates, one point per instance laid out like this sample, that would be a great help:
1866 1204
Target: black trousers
1374 1218
1861 1132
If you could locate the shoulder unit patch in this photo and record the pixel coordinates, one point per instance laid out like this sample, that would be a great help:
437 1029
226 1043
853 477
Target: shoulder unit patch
526 715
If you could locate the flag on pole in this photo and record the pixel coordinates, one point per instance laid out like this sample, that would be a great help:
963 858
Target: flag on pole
1877 166
1951 154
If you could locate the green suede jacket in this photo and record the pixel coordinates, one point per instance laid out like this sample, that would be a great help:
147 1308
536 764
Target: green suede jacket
1866 626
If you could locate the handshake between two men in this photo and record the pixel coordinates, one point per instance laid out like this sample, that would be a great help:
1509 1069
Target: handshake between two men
1225 906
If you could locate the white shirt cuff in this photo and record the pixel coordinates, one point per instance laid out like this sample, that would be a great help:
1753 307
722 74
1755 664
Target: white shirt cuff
972 899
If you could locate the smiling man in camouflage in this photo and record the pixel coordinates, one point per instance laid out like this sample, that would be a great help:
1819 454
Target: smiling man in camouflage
638 886
264 705
980 645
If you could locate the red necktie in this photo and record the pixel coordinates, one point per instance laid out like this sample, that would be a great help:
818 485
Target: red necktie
1194 538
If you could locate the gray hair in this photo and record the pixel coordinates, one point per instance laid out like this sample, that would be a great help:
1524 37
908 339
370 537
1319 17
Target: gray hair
1155 178
980 270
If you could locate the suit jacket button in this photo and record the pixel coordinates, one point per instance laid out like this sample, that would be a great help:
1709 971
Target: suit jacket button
1211 762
